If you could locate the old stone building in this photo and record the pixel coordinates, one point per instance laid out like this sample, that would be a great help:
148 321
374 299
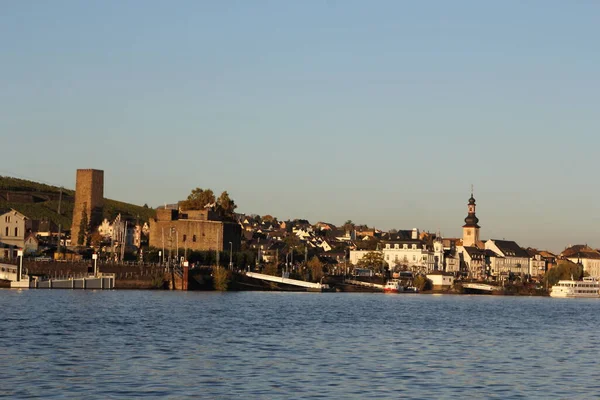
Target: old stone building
193 230
89 201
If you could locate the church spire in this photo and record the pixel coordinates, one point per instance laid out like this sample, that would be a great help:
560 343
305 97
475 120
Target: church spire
471 220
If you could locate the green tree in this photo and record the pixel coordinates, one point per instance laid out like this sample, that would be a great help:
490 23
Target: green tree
198 199
221 278
315 266
373 260
225 205
349 226
291 240
422 283
564 270
271 269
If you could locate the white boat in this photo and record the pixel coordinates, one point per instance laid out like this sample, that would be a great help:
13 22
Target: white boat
588 287
393 286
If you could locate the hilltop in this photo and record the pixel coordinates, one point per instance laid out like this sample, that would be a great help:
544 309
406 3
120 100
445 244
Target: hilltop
40 201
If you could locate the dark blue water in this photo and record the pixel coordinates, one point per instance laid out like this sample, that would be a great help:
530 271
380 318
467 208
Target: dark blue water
128 344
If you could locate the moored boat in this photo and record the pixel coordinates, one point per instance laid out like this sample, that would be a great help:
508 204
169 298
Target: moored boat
393 286
588 287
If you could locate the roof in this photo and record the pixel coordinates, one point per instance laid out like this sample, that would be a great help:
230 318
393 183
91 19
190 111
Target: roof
472 251
510 248
15 212
580 251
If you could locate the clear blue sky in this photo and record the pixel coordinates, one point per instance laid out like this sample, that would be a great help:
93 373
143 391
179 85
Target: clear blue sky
383 112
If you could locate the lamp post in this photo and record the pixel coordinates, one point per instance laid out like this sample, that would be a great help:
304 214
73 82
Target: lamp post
231 256
20 267
95 258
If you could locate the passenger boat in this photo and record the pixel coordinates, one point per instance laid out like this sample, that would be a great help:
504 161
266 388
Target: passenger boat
588 287
393 286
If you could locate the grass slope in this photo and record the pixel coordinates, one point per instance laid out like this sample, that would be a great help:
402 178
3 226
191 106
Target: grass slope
48 209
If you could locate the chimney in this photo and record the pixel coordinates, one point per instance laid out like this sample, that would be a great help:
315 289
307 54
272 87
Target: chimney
415 234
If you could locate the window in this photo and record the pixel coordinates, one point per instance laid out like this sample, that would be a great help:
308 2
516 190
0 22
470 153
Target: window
184 237
16 231
396 246
194 238
414 246
6 231
387 246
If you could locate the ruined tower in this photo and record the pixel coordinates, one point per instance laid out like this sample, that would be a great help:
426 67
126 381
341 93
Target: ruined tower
89 201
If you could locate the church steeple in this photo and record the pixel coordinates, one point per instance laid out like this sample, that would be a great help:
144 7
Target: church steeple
471 226
471 219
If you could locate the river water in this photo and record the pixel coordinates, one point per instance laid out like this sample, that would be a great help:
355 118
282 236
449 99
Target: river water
266 345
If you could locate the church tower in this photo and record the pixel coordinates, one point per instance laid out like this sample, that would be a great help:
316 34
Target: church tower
470 228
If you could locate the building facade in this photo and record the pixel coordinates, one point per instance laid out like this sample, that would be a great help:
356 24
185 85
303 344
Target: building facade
511 258
198 230
13 229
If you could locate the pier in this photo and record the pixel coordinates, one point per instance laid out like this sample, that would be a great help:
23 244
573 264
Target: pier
287 281
18 280
480 288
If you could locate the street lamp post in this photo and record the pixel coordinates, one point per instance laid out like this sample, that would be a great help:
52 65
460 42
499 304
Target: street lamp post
231 256
95 258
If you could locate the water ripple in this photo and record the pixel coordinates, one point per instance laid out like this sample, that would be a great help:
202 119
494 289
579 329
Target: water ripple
134 344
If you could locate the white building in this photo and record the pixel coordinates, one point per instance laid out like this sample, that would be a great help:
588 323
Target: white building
586 256
13 231
510 258
441 280
404 251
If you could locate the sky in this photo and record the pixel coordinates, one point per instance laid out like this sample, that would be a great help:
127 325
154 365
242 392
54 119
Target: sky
381 112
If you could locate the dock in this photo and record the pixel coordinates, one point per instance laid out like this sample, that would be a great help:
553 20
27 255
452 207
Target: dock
20 280
287 281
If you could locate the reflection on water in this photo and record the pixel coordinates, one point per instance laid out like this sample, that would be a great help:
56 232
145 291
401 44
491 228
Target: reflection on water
126 344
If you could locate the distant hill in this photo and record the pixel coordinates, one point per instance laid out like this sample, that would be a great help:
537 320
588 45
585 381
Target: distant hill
39 201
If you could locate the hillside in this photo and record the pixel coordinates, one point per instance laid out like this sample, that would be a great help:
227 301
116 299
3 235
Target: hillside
40 201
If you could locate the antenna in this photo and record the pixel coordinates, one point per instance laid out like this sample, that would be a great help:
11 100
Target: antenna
471 189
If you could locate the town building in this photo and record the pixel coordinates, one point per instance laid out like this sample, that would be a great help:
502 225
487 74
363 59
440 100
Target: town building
14 228
586 256
198 230
441 280
510 258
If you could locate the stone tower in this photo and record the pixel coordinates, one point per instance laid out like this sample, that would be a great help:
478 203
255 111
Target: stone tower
471 227
89 201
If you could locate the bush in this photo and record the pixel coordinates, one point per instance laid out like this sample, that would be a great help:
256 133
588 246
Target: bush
422 283
221 278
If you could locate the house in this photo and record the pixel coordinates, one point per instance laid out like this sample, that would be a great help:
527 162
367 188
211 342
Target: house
586 256
413 253
511 258
14 227
537 263
473 261
441 280
31 244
